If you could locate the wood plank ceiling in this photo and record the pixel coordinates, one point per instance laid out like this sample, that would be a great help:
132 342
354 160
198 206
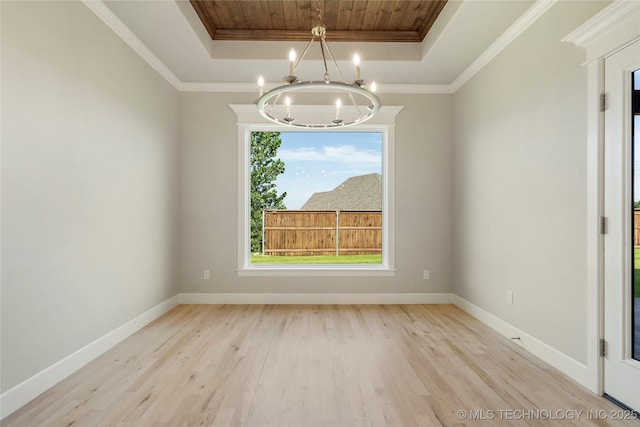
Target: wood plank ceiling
345 20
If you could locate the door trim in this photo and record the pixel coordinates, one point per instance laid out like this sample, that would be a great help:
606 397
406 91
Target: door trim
615 27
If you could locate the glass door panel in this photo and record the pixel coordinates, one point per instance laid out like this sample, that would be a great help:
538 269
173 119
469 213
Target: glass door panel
635 289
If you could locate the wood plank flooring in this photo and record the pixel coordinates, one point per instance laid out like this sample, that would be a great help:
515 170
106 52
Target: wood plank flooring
324 365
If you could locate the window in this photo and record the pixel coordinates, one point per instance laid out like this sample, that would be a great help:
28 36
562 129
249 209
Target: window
296 146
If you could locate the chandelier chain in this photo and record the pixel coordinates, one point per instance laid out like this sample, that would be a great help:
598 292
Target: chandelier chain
327 77
268 103
318 15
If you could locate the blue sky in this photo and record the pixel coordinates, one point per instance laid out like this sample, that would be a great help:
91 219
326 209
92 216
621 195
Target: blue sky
320 161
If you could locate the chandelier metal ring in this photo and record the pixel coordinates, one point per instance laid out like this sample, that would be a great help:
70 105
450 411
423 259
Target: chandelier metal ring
364 113
269 108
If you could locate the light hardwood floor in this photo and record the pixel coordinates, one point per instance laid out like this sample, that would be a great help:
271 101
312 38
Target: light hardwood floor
335 365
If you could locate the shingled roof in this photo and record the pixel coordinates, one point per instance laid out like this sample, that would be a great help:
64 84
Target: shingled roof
358 193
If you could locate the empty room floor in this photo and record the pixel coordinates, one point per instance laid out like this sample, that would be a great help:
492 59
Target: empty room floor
316 365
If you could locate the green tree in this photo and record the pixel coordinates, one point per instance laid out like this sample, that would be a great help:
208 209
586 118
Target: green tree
265 168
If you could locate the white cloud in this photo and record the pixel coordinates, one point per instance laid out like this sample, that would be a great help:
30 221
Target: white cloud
331 153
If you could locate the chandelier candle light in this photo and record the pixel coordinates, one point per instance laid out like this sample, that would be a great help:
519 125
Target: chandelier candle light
364 104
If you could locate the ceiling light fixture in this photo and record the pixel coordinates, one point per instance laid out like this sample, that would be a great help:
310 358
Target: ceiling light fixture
277 104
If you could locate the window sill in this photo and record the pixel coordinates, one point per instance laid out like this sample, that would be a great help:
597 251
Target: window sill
314 271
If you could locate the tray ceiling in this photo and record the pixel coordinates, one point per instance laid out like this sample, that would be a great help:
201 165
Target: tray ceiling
182 49
345 20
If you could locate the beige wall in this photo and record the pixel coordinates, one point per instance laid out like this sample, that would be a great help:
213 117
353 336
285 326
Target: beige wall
105 214
520 183
209 199
89 157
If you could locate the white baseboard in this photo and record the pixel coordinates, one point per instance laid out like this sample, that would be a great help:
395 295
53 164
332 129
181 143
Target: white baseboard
568 366
317 298
21 394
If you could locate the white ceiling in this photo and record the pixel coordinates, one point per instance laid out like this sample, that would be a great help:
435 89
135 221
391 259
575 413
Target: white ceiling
174 40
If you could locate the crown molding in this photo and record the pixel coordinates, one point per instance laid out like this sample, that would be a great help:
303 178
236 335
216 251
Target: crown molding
614 26
118 27
525 21
528 18
112 21
253 87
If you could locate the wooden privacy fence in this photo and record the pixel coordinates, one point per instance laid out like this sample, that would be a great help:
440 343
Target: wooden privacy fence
314 233
636 228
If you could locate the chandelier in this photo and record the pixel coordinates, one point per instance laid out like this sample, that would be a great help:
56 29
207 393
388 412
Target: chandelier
277 105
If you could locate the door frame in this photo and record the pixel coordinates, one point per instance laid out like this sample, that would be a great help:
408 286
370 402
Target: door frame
621 371
609 31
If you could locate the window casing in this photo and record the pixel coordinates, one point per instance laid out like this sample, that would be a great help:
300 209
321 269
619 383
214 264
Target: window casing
250 121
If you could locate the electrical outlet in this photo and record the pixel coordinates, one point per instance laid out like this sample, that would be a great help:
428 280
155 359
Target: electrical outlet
510 297
425 274
207 274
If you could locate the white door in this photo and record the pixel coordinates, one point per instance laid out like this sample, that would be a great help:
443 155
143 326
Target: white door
622 189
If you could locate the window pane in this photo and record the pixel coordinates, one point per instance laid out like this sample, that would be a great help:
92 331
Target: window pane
322 203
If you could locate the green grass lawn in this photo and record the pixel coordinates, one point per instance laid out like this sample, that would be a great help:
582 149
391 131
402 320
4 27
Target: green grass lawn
333 259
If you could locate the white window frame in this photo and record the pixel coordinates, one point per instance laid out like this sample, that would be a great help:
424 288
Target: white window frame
250 121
